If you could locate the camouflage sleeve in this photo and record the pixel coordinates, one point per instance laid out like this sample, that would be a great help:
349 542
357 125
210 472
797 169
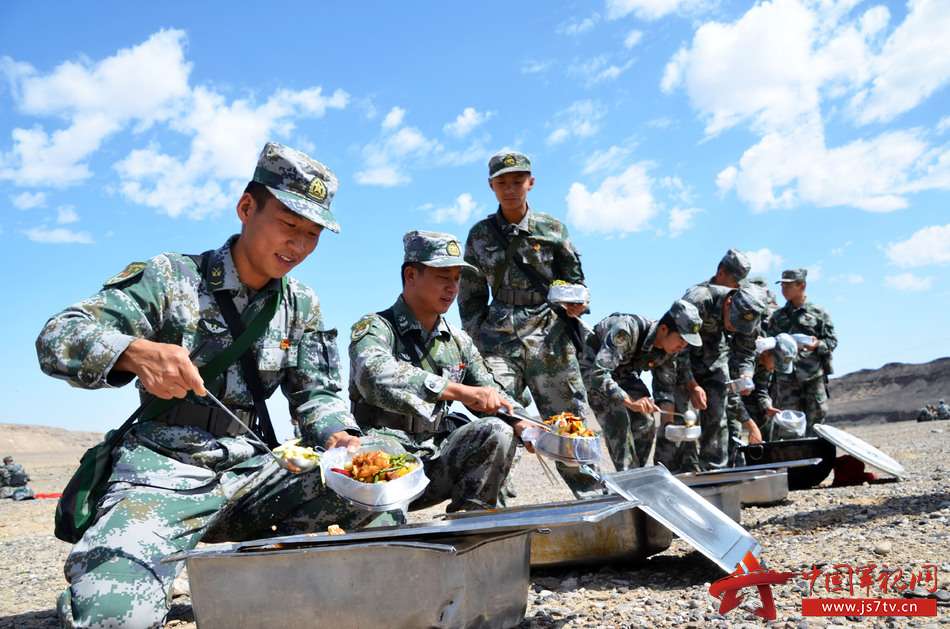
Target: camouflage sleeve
82 343
617 339
313 388
387 382
742 351
474 293
827 340
762 379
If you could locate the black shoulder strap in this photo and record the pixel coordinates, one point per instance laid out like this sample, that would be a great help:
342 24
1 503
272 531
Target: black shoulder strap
641 332
417 358
262 423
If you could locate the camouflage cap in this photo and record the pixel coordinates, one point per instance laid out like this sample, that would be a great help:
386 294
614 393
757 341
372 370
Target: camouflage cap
687 320
508 162
746 310
301 183
7 459
784 352
793 275
736 263
433 249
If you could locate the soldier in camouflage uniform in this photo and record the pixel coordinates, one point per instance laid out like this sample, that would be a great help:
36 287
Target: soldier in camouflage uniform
13 480
805 389
620 348
731 271
703 371
190 474
525 342
943 411
775 355
408 364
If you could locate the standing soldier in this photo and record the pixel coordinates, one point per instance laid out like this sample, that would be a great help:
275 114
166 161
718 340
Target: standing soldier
704 371
621 347
805 389
408 364
529 342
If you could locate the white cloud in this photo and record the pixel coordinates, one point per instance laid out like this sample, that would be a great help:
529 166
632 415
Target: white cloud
28 200
908 281
394 118
134 90
535 66
911 66
677 190
632 39
138 86
647 9
785 64
386 159
927 246
581 119
466 121
597 70
682 219
764 260
839 251
459 212
623 203
575 27
607 161
58 236
66 214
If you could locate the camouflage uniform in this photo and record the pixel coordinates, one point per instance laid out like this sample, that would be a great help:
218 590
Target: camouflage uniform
805 389
175 485
526 346
708 365
466 461
13 479
620 348
943 411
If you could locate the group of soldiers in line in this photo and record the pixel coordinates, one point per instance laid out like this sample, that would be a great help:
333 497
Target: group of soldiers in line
13 480
185 472
931 413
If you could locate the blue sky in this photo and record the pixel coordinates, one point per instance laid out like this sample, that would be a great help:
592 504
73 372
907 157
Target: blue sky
663 132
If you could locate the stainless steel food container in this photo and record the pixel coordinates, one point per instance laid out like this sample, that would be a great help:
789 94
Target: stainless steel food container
801 477
572 451
756 487
627 535
723 496
461 572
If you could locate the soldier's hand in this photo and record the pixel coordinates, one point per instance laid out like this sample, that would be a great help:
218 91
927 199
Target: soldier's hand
344 439
165 370
482 399
643 405
755 436
772 411
519 427
575 310
697 396
814 344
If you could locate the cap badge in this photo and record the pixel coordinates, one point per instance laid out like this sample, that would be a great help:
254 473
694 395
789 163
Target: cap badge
317 189
509 161
696 327
748 316
453 249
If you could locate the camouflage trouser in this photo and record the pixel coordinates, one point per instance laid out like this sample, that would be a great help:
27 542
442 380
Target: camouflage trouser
810 397
467 465
115 572
629 435
555 382
736 415
711 451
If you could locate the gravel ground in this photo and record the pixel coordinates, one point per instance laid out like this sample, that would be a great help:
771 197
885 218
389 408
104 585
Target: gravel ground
898 524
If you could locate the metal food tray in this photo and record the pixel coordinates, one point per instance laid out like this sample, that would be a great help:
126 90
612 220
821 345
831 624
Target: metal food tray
756 487
686 513
471 570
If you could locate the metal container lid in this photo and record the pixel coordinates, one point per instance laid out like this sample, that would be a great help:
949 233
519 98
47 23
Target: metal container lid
761 467
686 513
525 518
861 449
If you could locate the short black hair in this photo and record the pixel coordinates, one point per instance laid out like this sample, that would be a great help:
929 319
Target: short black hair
259 193
668 321
418 266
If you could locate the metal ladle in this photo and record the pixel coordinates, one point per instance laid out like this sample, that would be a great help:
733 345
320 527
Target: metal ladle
295 465
689 416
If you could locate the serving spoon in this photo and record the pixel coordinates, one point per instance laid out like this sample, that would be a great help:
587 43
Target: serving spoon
295 465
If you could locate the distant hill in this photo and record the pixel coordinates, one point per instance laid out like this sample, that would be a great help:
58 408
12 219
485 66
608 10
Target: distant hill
893 393
16 438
